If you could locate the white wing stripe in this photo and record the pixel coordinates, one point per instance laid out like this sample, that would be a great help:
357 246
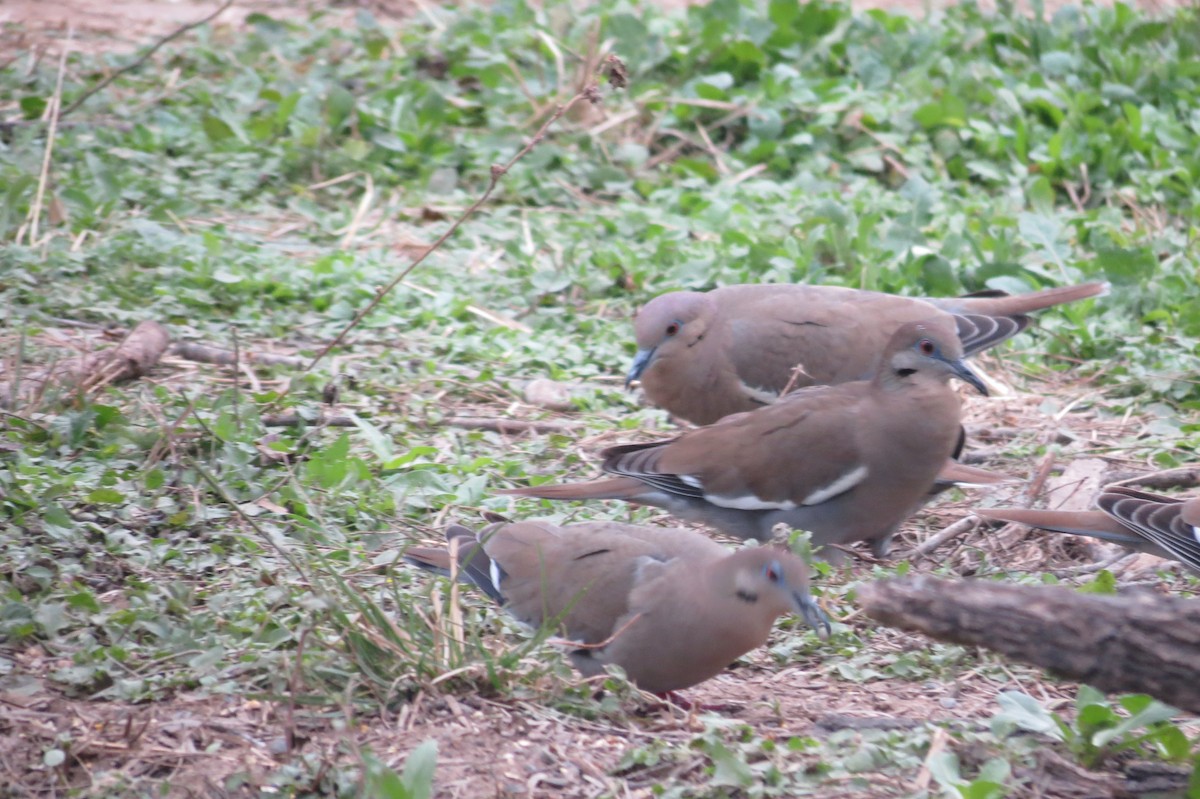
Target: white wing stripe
761 395
749 502
839 486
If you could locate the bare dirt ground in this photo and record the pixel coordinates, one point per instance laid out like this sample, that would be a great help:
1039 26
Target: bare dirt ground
522 748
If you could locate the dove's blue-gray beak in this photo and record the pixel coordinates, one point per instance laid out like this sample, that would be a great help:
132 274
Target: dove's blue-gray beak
964 372
812 614
640 362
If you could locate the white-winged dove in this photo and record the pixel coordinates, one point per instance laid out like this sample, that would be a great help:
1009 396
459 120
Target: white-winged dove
1164 526
702 356
669 606
847 462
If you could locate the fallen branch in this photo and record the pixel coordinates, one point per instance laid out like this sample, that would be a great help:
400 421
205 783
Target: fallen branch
1182 477
1133 642
206 353
133 357
295 420
496 425
961 526
136 355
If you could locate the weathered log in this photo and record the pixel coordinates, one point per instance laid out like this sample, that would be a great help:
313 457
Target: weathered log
1135 642
133 357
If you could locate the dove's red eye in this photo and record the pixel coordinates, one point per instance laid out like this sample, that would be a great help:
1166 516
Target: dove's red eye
672 328
926 346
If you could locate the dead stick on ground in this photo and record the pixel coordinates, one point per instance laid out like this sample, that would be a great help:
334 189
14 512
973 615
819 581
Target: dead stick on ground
1136 642
295 420
961 526
508 425
1039 479
142 59
206 353
1181 477
616 77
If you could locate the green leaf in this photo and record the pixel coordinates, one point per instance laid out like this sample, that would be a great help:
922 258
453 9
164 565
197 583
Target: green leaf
217 129
1024 712
949 111
56 516
33 106
728 768
1151 712
1126 266
52 617
419 770
330 466
154 479
1104 583
382 782
944 768
1146 32
84 600
105 496
379 443
338 106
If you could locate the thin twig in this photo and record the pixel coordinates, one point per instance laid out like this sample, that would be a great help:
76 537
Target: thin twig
963 525
363 206
722 168
498 172
18 364
237 395
1039 479
1092 568
598 644
35 212
295 420
143 58
797 371
483 313
509 425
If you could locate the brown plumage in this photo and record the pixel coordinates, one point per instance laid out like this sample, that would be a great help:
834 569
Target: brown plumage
702 356
846 462
1164 526
672 607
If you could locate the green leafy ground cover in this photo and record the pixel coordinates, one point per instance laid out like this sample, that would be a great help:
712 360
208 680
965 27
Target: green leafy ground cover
196 600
